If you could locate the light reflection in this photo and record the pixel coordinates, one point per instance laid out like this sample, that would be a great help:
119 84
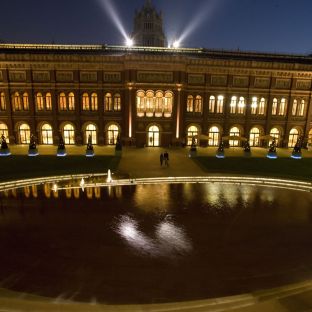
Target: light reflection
76 193
34 191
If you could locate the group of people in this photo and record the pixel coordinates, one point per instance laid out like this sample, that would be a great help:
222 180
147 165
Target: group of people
164 159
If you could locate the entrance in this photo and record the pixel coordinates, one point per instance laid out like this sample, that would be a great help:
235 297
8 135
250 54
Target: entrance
153 136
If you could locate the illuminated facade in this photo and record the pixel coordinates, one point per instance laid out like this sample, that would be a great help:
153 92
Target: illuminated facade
152 96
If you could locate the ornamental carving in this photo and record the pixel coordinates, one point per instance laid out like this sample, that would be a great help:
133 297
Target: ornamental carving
240 81
143 76
112 77
303 84
40 76
65 76
88 76
17 76
283 83
196 79
219 80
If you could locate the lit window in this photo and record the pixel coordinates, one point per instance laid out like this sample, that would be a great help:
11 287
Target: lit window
233 105
71 101
274 107
190 104
91 131
140 99
168 104
48 101
85 102
261 107
220 104
117 103
94 102
17 104
159 104
4 131
25 101
62 101
254 137
294 108
212 102
234 132
241 105
39 101
192 135
198 104
69 134
112 134
2 102
108 102
214 136
293 137
275 134
46 134
24 134
254 105
301 108
282 108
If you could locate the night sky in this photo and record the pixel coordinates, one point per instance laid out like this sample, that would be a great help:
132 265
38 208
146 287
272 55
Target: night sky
249 25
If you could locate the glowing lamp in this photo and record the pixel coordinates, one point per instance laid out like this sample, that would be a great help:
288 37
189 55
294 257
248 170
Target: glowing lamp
176 44
129 42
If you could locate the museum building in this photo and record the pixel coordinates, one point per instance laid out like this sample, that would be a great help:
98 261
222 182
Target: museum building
152 95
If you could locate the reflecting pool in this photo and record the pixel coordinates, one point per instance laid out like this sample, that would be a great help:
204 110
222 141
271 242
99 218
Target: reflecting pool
153 243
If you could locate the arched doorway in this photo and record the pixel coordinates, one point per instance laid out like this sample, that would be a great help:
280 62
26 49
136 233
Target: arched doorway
69 134
293 137
91 130
153 136
46 134
254 137
214 136
192 132
112 134
24 134
275 133
234 132
4 131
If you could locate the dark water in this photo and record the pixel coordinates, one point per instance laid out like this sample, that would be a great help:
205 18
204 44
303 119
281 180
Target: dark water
154 243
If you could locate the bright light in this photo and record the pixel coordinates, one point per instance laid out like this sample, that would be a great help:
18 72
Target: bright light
176 44
129 42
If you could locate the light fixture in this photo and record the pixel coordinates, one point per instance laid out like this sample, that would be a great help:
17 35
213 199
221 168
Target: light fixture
129 42
176 44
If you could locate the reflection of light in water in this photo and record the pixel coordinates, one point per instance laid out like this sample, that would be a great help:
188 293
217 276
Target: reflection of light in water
170 240
247 193
188 192
68 192
76 193
89 191
213 193
230 193
34 191
27 191
47 190
97 192
267 195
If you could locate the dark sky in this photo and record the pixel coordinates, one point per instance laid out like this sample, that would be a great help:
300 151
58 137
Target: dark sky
252 25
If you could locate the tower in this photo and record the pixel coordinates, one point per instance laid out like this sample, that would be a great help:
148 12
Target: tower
148 27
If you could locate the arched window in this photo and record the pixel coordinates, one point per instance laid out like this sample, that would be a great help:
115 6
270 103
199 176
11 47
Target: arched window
2 101
71 101
94 102
212 103
234 132
69 134
108 102
62 101
39 101
91 131
301 108
168 104
254 137
220 103
293 137
233 105
48 101
17 104
46 134
4 131
254 105
159 104
117 102
241 105
275 133
310 138
282 108
190 104
25 101
149 103
112 134
85 102
214 136
294 107
262 106
198 104
274 107
192 133
24 134
153 136
140 103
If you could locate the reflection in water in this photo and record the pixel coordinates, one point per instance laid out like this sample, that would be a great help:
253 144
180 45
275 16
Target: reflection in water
34 191
47 190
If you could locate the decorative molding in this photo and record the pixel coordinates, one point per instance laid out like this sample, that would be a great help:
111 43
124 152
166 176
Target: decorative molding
262 82
112 77
144 76
64 76
196 79
17 76
219 80
240 81
283 83
40 76
1 75
303 84
88 76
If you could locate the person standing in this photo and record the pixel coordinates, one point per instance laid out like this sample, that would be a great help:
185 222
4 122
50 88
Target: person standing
161 159
166 158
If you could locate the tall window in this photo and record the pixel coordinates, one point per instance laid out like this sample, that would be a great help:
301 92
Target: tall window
25 101
159 104
262 106
274 107
212 103
293 137
254 137
69 134
46 134
294 108
117 103
140 103
108 102
301 108
71 101
192 134
234 132
275 133
310 137
39 102
48 101
112 134
17 103
85 102
62 101
214 136
233 105
2 102
198 104
4 131
254 105
190 104
168 104
220 103
282 107
94 102
241 105
24 134
91 130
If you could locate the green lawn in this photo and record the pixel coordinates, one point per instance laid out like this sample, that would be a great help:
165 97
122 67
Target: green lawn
16 167
281 167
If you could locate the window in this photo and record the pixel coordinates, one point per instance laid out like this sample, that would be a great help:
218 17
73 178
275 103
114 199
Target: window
39 102
62 101
262 107
214 136
69 134
108 102
212 103
112 134
254 137
274 133
48 101
4 131
301 108
310 137
293 137
168 104
91 131
2 102
159 104
153 138
233 105
198 104
25 101
140 103
234 132
71 101
282 108
94 102
149 103
190 104
85 102
192 134
46 134
254 105
220 104
24 134
117 103
274 107
241 105
294 108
